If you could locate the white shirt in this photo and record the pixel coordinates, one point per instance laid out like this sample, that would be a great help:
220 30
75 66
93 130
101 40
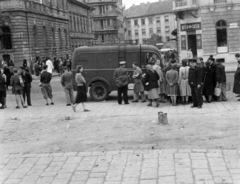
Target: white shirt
50 66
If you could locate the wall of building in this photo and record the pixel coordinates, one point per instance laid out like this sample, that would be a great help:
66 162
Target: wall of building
154 26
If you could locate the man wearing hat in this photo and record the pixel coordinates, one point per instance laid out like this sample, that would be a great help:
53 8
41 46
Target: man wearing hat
195 81
221 80
27 79
121 78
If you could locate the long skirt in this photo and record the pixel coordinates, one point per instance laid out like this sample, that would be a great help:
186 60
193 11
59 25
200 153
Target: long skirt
185 89
81 94
153 94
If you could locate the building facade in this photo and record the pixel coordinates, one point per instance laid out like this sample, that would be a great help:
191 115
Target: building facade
108 21
209 27
141 21
31 28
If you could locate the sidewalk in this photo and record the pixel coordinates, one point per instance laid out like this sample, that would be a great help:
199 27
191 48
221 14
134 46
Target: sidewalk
167 166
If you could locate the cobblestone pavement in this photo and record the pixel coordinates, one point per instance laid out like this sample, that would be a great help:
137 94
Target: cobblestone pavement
169 166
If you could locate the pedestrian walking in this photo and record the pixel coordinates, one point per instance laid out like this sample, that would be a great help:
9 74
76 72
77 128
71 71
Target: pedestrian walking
208 88
172 81
17 84
36 69
66 81
3 92
151 82
185 90
45 79
120 76
7 72
161 82
50 65
138 85
236 87
25 65
27 79
56 64
195 82
81 89
68 62
221 80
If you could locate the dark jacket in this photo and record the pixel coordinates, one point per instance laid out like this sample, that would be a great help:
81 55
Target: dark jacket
45 77
195 76
236 87
151 77
2 83
27 78
208 80
220 74
119 72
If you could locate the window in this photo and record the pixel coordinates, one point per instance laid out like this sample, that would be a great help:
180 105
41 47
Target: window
53 38
166 19
66 37
143 32
108 22
151 31
70 22
74 24
81 25
167 29
5 38
129 33
221 29
60 38
150 20
135 22
136 32
143 21
35 36
158 20
45 36
168 38
159 30
128 23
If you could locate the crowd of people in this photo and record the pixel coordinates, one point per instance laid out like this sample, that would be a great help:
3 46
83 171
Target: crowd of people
181 84
184 83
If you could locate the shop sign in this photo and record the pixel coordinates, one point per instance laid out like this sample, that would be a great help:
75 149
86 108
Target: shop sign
233 25
191 26
199 41
183 42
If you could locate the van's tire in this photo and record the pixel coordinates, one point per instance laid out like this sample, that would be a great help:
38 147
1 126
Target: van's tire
99 91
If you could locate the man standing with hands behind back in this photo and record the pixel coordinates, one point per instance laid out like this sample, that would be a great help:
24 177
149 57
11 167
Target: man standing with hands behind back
195 82
120 76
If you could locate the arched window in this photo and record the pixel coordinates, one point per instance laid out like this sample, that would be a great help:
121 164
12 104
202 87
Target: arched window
53 38
60 38
221 31
35 36
5 38
45 36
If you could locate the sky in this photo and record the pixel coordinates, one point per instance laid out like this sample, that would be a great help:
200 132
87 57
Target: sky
129 3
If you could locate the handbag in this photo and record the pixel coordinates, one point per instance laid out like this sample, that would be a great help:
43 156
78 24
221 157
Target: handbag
217 91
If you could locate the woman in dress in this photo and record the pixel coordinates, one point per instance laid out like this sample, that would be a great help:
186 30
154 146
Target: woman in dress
185 90
236 87
151 82
208 88
81 89
172 80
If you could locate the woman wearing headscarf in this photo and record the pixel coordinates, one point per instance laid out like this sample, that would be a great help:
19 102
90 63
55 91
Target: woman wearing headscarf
185 90
81 89
151 82
172 80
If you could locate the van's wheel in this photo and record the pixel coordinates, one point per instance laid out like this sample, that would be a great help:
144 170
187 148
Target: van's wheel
98 91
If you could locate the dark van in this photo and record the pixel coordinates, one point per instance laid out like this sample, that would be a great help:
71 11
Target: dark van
100 62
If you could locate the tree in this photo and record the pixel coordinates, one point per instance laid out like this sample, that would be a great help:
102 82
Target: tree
154 39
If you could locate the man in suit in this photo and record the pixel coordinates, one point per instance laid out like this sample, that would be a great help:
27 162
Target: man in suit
221 80
121 74
195 82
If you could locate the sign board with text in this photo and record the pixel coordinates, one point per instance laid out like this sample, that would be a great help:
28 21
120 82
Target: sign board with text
191 26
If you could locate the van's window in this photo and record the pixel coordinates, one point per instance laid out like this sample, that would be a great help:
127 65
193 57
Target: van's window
146 57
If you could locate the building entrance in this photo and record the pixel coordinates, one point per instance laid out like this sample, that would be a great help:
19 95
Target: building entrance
192 43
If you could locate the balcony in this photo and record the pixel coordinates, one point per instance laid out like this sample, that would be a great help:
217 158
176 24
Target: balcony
184 4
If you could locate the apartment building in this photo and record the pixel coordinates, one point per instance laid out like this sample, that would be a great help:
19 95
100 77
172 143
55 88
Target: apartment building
209 27
108 20
141 21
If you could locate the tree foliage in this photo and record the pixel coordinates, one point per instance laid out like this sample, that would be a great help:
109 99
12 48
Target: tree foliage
153 40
